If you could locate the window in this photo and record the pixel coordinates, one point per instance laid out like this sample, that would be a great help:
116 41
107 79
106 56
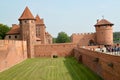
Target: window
9 37
25 21
32 21
15 37
20 22
98 26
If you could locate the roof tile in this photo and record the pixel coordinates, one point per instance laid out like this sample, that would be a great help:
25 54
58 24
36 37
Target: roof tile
14 30
26 14
103 22
38 20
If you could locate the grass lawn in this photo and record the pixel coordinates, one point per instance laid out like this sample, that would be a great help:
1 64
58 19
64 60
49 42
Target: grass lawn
49 69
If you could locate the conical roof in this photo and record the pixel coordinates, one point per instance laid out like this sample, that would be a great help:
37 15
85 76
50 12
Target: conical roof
26 14
38 20
103 22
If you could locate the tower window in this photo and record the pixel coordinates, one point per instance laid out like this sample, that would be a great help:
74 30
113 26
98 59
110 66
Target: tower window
25 21
31 21
20 22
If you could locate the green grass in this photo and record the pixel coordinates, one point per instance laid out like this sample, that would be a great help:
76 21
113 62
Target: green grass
49 69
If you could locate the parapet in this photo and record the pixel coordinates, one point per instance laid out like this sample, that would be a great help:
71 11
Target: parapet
81 34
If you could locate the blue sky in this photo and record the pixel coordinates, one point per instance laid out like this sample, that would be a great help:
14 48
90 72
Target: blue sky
70 16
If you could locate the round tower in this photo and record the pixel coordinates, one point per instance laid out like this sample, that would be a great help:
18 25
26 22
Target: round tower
28 30
104 32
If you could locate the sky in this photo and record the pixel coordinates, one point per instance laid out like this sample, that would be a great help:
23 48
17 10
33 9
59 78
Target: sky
70 16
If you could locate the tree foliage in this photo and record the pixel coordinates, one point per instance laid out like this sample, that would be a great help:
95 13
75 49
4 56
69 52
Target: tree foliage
3 30
116 37
62 38
54 40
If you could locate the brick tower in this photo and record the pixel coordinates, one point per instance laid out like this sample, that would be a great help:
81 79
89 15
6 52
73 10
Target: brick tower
104 32
40 29
28 30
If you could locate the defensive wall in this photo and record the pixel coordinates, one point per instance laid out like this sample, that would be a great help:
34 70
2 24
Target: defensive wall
11 53
82 38
44 50
107 66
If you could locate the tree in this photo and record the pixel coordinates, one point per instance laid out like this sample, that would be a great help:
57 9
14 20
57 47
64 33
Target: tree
0 37
116 37
62 38
54 40
3 30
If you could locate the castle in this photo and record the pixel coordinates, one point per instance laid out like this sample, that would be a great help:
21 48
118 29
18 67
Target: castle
29 28
29 39
33 31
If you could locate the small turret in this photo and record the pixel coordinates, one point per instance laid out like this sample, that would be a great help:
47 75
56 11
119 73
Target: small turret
104 32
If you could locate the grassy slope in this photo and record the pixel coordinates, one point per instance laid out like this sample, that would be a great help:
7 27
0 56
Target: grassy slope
49 69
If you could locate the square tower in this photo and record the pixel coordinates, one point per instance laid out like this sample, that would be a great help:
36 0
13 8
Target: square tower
28 30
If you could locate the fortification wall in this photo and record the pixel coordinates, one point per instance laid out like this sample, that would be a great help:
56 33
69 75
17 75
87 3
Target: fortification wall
11 53
54 49
83 38
107 66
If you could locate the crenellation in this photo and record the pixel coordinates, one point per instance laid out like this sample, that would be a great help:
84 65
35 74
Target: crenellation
82 34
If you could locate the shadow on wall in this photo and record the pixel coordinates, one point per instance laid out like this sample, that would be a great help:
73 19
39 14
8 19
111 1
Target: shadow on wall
11 53
78 71
105 65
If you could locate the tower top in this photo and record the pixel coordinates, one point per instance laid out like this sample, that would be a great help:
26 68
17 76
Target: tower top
103 22
38 20
26 14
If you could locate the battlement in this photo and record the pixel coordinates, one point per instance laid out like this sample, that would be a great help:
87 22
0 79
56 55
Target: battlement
83 38
81 34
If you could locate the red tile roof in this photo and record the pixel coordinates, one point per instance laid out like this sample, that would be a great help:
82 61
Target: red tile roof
103 22
38 20
26 14
14 30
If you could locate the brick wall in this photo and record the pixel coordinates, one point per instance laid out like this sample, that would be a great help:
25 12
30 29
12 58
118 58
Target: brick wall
12 37
104 35
107 66
11 53
83 38
54 49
